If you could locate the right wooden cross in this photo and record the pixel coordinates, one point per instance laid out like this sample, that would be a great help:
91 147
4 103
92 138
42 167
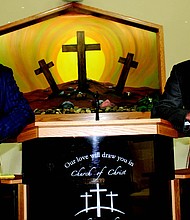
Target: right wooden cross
128 63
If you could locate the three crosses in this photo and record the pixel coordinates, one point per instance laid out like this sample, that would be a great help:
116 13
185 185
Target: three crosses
81 49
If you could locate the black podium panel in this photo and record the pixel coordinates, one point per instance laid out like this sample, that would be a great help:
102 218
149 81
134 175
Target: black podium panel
88 178
80 178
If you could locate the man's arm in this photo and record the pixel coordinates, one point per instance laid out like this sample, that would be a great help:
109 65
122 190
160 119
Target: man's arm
15 112
170 106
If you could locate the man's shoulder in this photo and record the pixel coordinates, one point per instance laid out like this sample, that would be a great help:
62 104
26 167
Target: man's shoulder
183 63
4 69
182 68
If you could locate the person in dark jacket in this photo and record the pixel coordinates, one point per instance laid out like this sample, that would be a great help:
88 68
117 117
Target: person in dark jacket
15 111
174 103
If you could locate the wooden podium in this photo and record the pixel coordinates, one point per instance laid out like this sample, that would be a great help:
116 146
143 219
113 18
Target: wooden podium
42 147
79 125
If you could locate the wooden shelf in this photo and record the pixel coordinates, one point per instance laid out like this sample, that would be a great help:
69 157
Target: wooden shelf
110 124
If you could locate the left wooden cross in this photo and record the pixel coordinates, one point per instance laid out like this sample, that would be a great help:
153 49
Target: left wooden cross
44 68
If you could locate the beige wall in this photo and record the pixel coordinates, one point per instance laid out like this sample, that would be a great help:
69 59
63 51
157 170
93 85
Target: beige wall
173 15
11 158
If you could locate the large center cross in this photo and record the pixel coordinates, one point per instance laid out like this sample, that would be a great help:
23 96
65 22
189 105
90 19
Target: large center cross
128 63
81 48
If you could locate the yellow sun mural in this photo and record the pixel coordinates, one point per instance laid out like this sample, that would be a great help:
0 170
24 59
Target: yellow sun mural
24 48
67 62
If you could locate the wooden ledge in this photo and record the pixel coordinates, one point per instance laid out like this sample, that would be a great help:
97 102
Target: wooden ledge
16 180
182 173
81 125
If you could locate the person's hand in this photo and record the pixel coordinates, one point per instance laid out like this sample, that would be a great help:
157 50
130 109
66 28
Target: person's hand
188 116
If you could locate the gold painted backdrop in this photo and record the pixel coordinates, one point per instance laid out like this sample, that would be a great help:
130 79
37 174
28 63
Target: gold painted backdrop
22 49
